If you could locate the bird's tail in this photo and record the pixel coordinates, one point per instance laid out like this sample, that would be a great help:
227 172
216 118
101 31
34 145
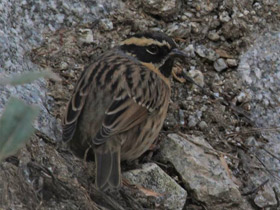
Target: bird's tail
108 169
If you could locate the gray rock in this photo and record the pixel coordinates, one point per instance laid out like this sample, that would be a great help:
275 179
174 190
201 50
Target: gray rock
220 65
195 27
224 17
213 35
207 53
203 125
201 172
259 69
190 51
22 24
153 178
162 8
106 24
178 29
231 62
197 76
251 141
245 70
265 197
243 97
192 121
85 36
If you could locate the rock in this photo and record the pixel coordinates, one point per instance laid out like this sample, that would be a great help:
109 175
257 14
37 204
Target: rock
181 117
233 30
245 70
259 69
202 173
265 197
162 8
231 62
220 65
28 21
195 27
224 17
106 24
85 36
203 125
207 53
192 121
213 35
168 194
198 77
170 122
190 51
251 142
178 29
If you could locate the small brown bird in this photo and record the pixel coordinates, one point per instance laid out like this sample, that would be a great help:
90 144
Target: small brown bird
120 102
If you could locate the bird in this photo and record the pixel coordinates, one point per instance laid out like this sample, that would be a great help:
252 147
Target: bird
120 102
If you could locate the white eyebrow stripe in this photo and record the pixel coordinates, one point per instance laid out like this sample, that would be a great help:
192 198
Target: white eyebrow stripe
144 42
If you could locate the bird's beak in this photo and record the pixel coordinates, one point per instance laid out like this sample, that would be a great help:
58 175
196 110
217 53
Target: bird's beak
176 53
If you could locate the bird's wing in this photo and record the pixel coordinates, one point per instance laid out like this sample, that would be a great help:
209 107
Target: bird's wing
134 105
76 104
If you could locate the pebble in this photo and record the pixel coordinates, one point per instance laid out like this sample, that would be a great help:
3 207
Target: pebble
224 17
241 97
207 53
179 29
198 77
162 8
181 117
202 125
251 141
213 35
190 51
85 35
192 121
195 27
220 65
63 65
232 62
106 24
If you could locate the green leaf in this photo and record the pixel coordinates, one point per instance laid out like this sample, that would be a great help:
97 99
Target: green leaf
16 126
28 77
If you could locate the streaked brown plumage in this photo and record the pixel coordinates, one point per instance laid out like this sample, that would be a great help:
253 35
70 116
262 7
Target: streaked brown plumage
120 102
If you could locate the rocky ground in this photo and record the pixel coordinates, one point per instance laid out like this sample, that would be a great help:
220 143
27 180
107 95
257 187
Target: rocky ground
219 145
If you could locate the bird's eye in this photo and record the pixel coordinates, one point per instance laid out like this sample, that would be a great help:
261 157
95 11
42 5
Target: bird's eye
152 49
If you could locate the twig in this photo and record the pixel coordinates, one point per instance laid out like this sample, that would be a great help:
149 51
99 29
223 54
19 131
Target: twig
271 154
266 167
253 130
256 189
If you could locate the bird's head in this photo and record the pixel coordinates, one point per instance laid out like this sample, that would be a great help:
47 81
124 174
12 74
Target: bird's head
153 49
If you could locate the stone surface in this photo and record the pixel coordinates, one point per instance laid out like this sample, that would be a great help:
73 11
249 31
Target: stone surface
259 69
202 173
169 195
